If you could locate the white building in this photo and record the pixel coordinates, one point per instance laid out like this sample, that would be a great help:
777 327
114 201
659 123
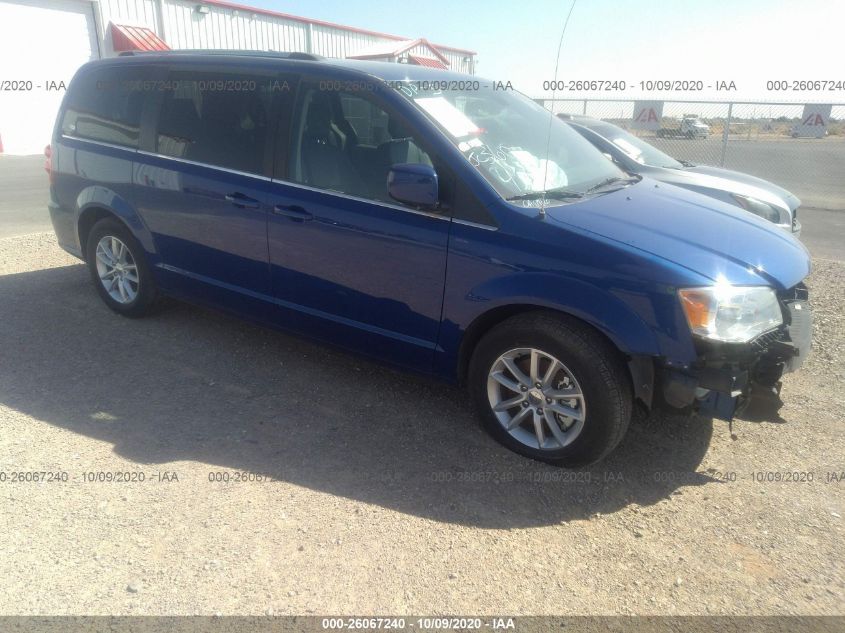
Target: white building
43 42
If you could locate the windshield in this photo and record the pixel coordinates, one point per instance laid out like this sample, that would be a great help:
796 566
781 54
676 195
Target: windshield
505 135
634 147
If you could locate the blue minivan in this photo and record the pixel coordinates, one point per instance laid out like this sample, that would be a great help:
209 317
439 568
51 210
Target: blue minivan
431 220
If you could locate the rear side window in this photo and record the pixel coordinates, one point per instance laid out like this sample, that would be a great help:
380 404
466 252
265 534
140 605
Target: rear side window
105 105
216 118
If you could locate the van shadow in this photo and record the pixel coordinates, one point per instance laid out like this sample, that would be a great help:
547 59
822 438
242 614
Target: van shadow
192 384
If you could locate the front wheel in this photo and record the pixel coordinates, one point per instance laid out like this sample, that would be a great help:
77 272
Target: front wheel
551 388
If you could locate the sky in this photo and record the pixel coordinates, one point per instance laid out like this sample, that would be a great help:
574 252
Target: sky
748 42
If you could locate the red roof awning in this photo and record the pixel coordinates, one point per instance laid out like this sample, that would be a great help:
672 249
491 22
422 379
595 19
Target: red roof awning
135 38
427 61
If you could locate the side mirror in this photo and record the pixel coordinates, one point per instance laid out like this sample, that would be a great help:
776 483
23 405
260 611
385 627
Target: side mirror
414 184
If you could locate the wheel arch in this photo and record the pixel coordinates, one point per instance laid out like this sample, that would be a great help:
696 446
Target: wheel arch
96 203
482 324
640 367
87 219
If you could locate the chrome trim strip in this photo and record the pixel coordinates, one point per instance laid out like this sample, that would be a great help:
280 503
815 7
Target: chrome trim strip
292 184
287 183
379 203
208 166
475 225
101 143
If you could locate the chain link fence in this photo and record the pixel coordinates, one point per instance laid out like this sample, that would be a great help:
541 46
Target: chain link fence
765 139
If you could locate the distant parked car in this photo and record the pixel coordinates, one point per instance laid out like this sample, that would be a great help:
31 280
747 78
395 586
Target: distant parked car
633 154
689 127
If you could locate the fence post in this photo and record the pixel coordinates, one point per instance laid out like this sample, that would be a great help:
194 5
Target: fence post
725 134
309 37
584 110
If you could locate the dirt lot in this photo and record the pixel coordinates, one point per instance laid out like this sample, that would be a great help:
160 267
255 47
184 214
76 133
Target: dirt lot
380 495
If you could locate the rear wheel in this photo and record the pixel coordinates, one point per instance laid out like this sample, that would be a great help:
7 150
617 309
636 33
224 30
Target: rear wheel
118 269
551 388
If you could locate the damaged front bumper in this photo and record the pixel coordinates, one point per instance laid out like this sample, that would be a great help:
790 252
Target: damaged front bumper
727 376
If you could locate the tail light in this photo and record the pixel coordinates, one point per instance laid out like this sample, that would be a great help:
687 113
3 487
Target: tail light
48 162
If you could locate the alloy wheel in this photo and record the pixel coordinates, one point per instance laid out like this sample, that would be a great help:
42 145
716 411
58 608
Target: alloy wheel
117 269
536 398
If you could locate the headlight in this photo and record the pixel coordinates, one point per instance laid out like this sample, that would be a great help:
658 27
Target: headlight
732 314
758 207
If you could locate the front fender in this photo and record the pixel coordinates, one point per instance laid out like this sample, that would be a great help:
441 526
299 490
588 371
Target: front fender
639 320
600 308
95 199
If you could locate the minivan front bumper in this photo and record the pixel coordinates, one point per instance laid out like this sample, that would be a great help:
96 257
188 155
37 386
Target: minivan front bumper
727 377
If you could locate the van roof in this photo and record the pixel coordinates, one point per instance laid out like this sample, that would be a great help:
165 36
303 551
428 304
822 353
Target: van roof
386 71
227 53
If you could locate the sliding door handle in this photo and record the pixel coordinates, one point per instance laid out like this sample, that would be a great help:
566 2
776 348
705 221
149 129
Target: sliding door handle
242 201
293 211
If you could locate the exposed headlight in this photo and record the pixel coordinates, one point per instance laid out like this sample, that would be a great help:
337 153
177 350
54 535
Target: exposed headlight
731 314
758 207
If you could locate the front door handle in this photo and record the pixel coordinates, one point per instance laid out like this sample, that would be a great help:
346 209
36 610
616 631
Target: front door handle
293 211
242 201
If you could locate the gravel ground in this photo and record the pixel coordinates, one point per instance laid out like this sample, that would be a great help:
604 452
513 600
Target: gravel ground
380 494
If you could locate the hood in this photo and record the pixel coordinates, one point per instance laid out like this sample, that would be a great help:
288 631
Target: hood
709 237
728 175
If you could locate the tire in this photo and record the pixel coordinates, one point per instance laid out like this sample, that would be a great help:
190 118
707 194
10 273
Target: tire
139 293
590 365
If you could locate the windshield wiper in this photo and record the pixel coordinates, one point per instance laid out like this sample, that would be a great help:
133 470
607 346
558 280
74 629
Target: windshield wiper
553 194
611 181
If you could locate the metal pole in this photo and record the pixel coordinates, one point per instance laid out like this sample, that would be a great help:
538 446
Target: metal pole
162 20
99 27
584 111
725 134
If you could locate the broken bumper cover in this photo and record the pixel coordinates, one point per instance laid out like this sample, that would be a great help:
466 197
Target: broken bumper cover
727 376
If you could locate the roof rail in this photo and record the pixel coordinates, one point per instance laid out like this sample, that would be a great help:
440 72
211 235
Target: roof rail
228 52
